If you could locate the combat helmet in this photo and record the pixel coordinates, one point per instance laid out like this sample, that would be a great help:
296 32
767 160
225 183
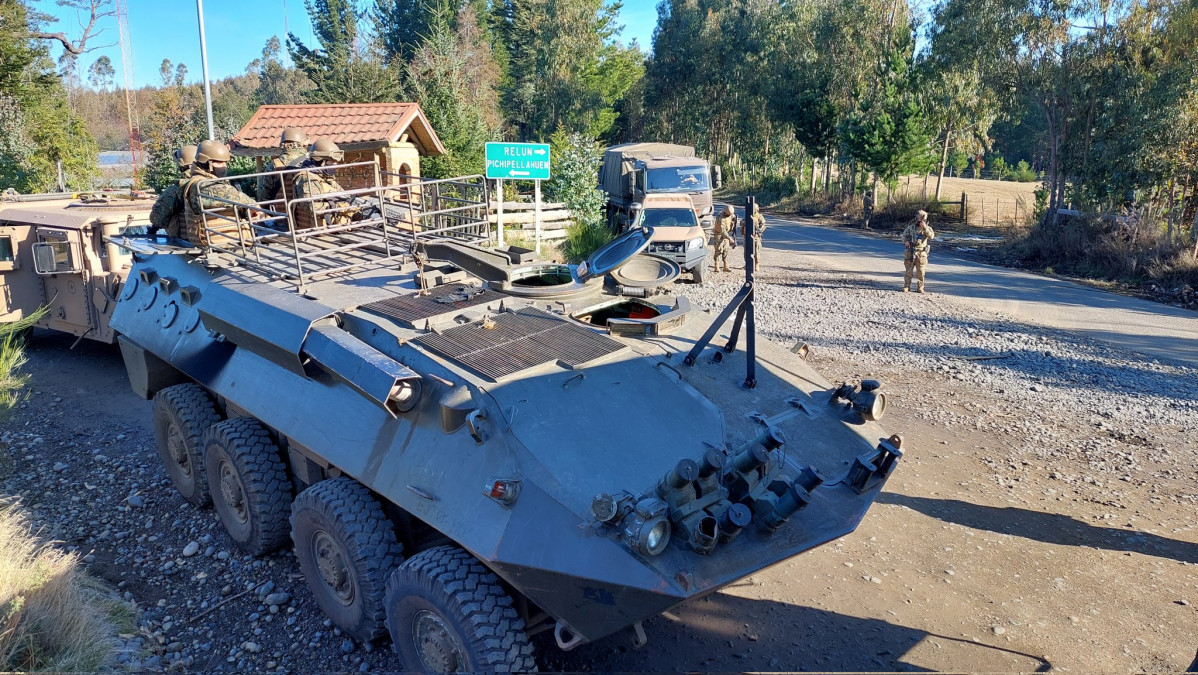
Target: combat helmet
292 135
324 149
212 151
728 211
185 156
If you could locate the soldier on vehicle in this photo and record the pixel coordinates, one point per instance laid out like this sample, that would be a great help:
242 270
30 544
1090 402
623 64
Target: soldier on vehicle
722 235
758 224
867 208
917 239
294 144
212 161
320 179
167 213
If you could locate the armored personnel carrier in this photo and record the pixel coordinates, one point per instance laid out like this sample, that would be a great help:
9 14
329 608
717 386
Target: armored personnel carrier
466 446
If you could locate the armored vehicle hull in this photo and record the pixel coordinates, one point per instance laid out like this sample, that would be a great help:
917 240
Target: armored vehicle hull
560 446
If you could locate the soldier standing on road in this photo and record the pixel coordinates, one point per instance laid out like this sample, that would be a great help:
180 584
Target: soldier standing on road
722 235
293 143
319 179
758 225
917 239
167 213
867 208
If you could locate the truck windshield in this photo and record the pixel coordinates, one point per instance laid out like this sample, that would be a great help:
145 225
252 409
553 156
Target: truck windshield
679 179
668 218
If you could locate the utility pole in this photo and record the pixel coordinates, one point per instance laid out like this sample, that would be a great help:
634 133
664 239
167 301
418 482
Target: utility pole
204 61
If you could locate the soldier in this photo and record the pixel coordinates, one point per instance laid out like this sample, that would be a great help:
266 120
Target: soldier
212 161
722 231
867 208
294 146
319 179
167 213
758 224
917 239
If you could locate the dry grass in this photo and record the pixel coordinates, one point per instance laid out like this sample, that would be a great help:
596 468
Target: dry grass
991 202
53 616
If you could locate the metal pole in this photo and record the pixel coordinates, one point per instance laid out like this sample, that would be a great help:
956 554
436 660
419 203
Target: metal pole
499 211
537 216
204 62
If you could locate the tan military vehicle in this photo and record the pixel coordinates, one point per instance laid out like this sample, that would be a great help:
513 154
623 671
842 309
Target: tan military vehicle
677 234
53 252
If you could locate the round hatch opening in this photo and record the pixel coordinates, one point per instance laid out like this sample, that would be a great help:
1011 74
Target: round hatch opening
623 308
540 276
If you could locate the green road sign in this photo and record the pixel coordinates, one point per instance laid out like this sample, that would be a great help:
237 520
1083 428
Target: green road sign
520 161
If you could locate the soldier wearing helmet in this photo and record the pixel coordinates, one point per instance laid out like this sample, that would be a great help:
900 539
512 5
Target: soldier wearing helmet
212 161
293 143
722 234
319 179
167 213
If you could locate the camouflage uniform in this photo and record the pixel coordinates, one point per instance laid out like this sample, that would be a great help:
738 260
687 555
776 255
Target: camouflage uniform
222 190
269 186
918 240
721 234
759 231
316 182
867 208
167 213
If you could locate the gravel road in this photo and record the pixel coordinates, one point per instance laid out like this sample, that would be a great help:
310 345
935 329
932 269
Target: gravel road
1043 515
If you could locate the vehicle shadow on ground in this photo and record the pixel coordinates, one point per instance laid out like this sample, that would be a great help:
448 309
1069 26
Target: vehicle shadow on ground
1050 528
726 633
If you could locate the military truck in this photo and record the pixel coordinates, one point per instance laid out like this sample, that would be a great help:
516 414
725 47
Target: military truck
633 171
677 234
53 253
467 446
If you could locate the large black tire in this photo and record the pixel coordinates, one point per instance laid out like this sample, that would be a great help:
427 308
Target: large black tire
250 489
447 613
699 272
346 548
181 415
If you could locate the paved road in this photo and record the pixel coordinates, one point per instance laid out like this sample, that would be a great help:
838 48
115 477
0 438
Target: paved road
1151 328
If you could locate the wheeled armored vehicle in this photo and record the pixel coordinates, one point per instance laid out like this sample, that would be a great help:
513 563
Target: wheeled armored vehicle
467 446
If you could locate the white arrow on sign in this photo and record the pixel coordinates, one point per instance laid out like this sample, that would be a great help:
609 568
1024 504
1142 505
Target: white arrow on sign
540 151
518 173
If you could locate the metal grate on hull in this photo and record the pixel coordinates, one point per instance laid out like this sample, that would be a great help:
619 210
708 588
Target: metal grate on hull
413 309
519 340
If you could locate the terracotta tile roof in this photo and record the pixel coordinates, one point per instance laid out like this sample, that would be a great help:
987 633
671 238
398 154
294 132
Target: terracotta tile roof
348 124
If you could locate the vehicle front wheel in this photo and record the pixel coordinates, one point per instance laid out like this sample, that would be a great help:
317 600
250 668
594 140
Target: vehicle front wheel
447 612
250 490
181 415
346 549
699 272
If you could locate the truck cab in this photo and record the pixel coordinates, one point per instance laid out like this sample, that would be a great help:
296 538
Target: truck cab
677 234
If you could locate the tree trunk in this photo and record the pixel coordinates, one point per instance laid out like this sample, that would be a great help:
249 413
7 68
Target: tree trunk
943 162
814 168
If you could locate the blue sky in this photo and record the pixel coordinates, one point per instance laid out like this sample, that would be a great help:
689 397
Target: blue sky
237 31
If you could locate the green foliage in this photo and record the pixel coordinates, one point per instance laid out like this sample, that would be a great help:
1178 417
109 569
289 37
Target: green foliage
404 24
278 84
12 357
454 77
1022 172
582 240
576 161
347 65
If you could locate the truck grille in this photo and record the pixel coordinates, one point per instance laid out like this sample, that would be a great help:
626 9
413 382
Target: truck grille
520 340
411 309
666 248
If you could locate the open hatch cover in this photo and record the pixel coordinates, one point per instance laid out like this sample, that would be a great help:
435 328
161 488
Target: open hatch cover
614 254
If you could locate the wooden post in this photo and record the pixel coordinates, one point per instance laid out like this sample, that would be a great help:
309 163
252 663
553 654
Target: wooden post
537 200
983 210
996 214
499 211
1016 221
965 207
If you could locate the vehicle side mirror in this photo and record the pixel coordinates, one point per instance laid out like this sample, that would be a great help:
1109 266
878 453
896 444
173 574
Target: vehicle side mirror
717 174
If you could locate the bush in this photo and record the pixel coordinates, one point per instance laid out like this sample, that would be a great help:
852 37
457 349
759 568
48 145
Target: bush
576 161
583 239
53 616
1022 173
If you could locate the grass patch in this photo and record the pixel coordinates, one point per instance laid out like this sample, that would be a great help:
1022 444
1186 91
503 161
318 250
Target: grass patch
582 240
53 616
12 357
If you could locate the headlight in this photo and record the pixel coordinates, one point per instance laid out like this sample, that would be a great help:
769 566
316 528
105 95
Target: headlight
697 242
654 536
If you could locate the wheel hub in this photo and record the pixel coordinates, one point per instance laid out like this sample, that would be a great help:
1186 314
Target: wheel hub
178 450
438 646
232 492
332 566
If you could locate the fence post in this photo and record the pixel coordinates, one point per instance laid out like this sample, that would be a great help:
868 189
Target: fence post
996 214
1016 221
983 211
965 207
